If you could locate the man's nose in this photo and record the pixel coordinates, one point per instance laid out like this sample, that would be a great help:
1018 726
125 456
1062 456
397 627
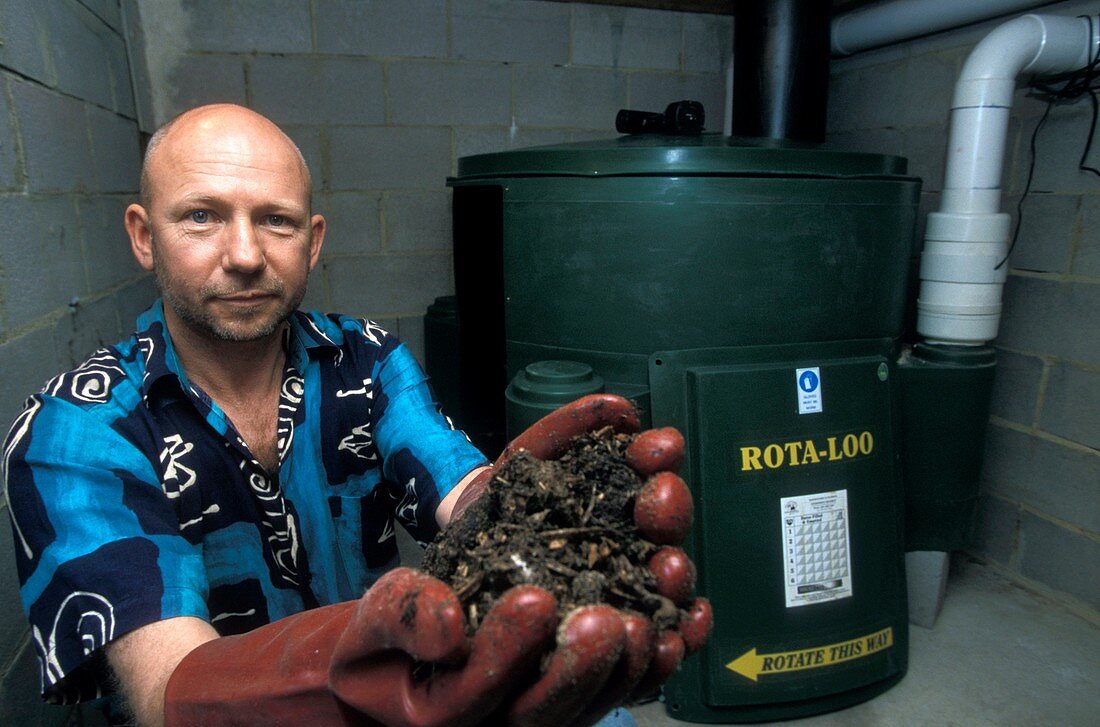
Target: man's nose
243 251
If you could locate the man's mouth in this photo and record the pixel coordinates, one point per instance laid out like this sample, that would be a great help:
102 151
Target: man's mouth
245 297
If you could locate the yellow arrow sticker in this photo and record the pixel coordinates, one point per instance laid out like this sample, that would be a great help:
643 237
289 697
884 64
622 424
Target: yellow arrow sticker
754 665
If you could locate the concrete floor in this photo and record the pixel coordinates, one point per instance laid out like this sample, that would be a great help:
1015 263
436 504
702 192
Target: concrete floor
999 655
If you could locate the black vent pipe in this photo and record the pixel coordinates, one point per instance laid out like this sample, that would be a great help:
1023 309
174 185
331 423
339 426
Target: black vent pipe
781 68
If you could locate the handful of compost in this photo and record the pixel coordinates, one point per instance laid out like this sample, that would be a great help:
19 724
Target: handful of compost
567 597
591 513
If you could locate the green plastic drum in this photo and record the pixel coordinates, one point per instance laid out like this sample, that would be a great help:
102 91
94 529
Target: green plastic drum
752 294
441 353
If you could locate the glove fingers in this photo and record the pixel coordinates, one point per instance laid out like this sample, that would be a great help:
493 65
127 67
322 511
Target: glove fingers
675 574
633 664
696 624
666 659
505 649
406 610
590 641
673 645
405 613
663 509
656 450
548 438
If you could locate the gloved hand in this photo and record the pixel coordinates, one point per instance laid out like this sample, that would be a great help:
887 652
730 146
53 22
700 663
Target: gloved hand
632 659
355 662
400 656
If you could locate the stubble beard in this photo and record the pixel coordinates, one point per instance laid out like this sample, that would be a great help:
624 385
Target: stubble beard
247 324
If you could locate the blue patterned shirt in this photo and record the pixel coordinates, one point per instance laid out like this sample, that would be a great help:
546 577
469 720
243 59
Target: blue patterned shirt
133 499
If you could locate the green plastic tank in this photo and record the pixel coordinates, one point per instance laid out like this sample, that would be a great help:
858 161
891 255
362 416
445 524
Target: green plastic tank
751 293
441 360
542 387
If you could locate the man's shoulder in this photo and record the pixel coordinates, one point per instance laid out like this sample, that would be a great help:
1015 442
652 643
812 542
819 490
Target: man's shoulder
96 394
117 374
107 375
341 331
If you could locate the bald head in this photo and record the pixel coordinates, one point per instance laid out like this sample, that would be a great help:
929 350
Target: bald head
222 122
226 224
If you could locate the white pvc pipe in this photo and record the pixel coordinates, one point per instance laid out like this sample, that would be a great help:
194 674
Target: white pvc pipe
898 20
967 239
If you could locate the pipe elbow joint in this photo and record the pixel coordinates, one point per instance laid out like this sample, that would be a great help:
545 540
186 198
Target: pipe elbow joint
1034 44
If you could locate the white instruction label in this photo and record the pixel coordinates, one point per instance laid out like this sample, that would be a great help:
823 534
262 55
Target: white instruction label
808 382
817 566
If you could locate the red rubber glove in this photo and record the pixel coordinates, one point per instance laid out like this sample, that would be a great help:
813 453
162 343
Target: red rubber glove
605 657
352 663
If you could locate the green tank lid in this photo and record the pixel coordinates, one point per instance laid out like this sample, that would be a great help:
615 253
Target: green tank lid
553 383
660 155
543 386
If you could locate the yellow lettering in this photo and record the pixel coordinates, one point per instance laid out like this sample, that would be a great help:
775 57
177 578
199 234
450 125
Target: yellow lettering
792 452
850 445
807 451
879 641
773 456
753 664
847 650
794 660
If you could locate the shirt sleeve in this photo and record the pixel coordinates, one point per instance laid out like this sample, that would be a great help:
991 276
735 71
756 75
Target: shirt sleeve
97 542
424 456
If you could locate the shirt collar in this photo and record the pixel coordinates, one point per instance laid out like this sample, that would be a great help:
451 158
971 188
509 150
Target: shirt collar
307 336
304 336
156 349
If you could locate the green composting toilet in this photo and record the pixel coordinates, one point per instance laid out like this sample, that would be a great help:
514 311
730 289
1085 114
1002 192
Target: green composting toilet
750 293
754 291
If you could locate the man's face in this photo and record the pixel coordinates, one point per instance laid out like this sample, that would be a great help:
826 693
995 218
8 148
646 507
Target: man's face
230 233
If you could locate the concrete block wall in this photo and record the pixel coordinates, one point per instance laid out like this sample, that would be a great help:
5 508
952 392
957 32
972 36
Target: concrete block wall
384 96
69 161
1040 503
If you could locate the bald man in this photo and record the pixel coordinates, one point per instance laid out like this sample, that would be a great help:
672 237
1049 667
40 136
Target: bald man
199 510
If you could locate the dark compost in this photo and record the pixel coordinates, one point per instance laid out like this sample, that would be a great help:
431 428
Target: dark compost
565 525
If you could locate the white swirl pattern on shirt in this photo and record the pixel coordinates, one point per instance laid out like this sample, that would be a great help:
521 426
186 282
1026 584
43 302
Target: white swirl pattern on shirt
91 381
94 617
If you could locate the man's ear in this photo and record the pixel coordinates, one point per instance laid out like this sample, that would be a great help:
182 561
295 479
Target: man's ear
136 220
317 227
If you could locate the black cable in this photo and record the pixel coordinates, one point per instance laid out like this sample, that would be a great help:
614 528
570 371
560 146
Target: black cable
1088 143
1073 86
1064 88
1027 186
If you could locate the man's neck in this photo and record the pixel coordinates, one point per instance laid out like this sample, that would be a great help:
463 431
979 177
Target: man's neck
230 372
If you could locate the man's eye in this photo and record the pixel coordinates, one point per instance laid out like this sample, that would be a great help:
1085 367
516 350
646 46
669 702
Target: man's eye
276 220
199 216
